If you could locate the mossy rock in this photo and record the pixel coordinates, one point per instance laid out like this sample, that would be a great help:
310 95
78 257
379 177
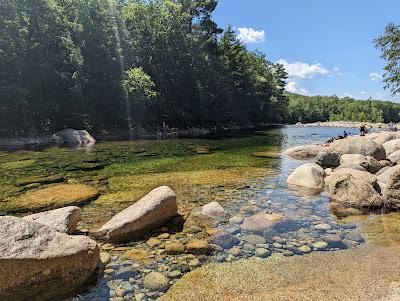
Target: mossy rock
16 164
267 154
51 197
40 180
85 166
203 151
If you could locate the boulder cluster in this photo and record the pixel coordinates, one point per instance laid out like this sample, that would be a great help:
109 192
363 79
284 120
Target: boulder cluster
361 174
53 263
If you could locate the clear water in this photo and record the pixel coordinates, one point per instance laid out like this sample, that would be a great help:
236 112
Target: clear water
229 173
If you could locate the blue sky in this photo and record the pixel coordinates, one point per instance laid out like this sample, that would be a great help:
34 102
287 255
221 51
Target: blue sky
327 46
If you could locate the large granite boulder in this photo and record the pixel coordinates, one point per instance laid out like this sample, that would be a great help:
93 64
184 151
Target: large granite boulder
359 145
391 193
385 176
328 159
355 193
394 157
367 162
357 174
71 136
383 137
39 263
309 176
151 211
391 146
62 220
304 151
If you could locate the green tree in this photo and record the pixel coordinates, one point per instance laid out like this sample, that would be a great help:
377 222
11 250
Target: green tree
389 44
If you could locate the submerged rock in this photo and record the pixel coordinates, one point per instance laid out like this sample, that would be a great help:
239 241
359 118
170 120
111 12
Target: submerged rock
304 151
71 136
63 220
156 281
56 196
356 274
261 222
151 211
309 176
39 263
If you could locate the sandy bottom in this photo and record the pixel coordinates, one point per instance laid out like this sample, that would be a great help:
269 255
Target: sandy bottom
366 273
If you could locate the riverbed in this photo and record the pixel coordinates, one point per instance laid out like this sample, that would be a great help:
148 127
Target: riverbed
245 174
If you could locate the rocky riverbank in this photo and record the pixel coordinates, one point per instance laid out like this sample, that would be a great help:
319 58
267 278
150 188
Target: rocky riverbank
361 174
345 124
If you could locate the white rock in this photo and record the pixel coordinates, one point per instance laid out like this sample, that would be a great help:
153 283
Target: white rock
63 220
309 175
213 209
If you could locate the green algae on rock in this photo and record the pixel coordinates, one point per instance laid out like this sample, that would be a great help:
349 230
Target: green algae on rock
51 197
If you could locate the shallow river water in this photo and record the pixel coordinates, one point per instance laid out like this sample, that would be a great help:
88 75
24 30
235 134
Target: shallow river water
244 174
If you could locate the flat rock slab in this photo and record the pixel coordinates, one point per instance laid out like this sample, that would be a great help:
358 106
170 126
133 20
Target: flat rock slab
151 211
358 274
56 196
63 220
39 263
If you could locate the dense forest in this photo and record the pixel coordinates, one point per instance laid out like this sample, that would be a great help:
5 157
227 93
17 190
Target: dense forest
107 66
110 66
332 108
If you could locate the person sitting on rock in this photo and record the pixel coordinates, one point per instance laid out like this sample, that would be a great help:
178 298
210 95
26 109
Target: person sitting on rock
363 130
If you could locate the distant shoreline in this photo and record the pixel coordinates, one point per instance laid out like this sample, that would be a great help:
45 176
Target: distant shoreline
344 124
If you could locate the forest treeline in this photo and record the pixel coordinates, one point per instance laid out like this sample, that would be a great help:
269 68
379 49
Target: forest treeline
107 66
306 109
100 65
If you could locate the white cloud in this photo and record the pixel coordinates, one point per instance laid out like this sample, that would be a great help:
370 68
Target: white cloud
347 94
375 76
303 70
363 92
249 35
293 87
337 71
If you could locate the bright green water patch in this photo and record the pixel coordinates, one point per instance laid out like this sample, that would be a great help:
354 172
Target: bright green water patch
198 169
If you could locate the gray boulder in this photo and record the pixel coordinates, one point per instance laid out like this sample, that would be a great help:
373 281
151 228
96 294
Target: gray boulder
39 263
383 137
302 152
62 220
358 145
351 166
367 162
309 176
151 211
71 136
328 159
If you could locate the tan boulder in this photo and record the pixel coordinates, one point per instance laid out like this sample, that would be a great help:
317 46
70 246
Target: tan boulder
357 174
358 145
63 220
304 151
385 175
39 263
309 175
356 193
151 211
391 146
